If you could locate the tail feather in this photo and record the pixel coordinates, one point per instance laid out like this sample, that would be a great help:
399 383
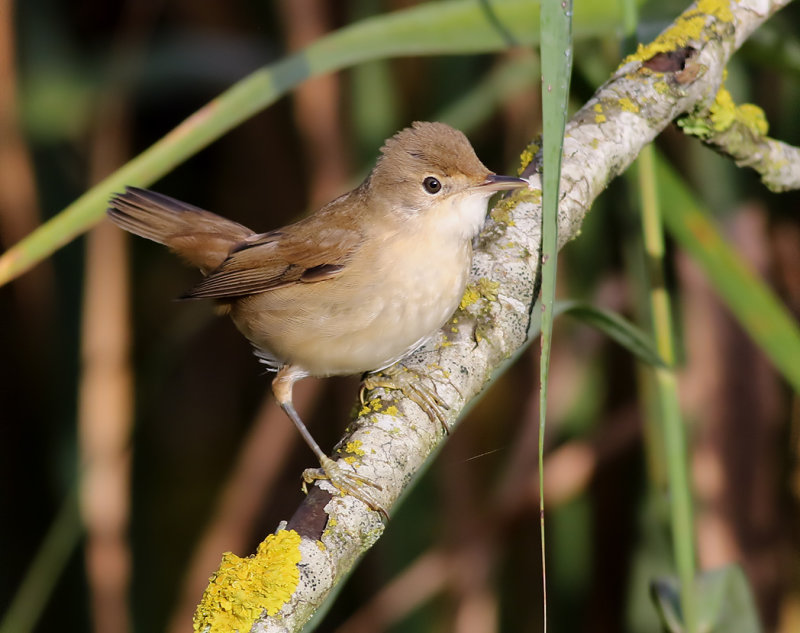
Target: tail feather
200 237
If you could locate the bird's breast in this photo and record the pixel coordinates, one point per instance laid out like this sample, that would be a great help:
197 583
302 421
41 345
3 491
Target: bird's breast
388 300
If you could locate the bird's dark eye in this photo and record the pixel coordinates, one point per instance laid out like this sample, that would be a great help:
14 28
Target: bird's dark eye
432 185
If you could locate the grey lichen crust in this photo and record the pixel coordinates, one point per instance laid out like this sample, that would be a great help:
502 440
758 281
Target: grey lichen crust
393 437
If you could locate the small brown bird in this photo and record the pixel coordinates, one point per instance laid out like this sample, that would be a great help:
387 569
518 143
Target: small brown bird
354 287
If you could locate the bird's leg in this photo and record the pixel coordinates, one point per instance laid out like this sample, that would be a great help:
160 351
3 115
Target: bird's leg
345 481
410 383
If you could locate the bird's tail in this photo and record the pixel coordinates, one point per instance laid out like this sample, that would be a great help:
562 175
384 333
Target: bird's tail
201 238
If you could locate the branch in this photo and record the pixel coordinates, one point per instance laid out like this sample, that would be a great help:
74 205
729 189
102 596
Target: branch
740 132
392 438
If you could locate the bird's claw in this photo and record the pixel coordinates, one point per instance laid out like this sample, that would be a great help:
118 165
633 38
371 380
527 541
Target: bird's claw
409 383
347 482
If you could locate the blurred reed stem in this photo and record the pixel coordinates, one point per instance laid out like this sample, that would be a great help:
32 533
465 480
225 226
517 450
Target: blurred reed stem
666 389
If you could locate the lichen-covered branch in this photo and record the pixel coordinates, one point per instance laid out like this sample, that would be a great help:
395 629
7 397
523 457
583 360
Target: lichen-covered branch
740 132
392 438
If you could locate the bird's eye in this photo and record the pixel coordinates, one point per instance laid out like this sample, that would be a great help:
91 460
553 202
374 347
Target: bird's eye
432 185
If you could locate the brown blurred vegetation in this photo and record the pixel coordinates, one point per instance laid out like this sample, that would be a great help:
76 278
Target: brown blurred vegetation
207 463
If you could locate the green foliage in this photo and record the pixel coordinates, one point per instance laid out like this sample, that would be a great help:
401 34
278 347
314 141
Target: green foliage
724 598
556 54
616 327
756 307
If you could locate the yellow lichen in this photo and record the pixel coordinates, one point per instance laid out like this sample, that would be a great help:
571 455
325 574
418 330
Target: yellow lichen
722 111
753 117
526 156
721 9
371 406
471 295
599 118
723 114
503 210
484 287
488 288
627 105
688 27
502 214
244 588
525 159
354 448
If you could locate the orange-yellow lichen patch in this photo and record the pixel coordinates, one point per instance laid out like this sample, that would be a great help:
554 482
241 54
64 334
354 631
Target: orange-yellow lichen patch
484 287
754 118
471 295
724 113
354 448
526 157
488 288
370 407
244 588
687 28
661 87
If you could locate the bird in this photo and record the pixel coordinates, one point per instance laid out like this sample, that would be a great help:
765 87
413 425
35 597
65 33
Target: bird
352 288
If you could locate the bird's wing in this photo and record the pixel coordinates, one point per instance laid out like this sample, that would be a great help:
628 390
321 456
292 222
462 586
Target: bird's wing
295 254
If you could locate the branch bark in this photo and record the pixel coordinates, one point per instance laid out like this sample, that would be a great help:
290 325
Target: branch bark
740 133
392 438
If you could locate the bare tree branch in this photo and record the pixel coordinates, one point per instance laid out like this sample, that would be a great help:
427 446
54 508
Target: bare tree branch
392 438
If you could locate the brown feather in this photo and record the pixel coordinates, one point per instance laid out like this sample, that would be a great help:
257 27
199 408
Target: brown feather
200 237
311 250
237 261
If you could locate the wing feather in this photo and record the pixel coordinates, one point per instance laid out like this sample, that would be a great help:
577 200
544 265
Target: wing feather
273 260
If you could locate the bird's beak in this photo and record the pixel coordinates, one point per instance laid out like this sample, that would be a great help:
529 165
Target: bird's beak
494 182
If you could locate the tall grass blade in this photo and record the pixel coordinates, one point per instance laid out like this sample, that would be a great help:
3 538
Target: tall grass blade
556 56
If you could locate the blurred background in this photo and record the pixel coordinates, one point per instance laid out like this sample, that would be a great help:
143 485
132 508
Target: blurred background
138 440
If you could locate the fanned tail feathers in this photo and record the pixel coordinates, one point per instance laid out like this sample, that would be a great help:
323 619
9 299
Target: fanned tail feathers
200 237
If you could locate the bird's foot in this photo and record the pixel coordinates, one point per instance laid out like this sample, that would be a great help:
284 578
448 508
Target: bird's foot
412 385
347 482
